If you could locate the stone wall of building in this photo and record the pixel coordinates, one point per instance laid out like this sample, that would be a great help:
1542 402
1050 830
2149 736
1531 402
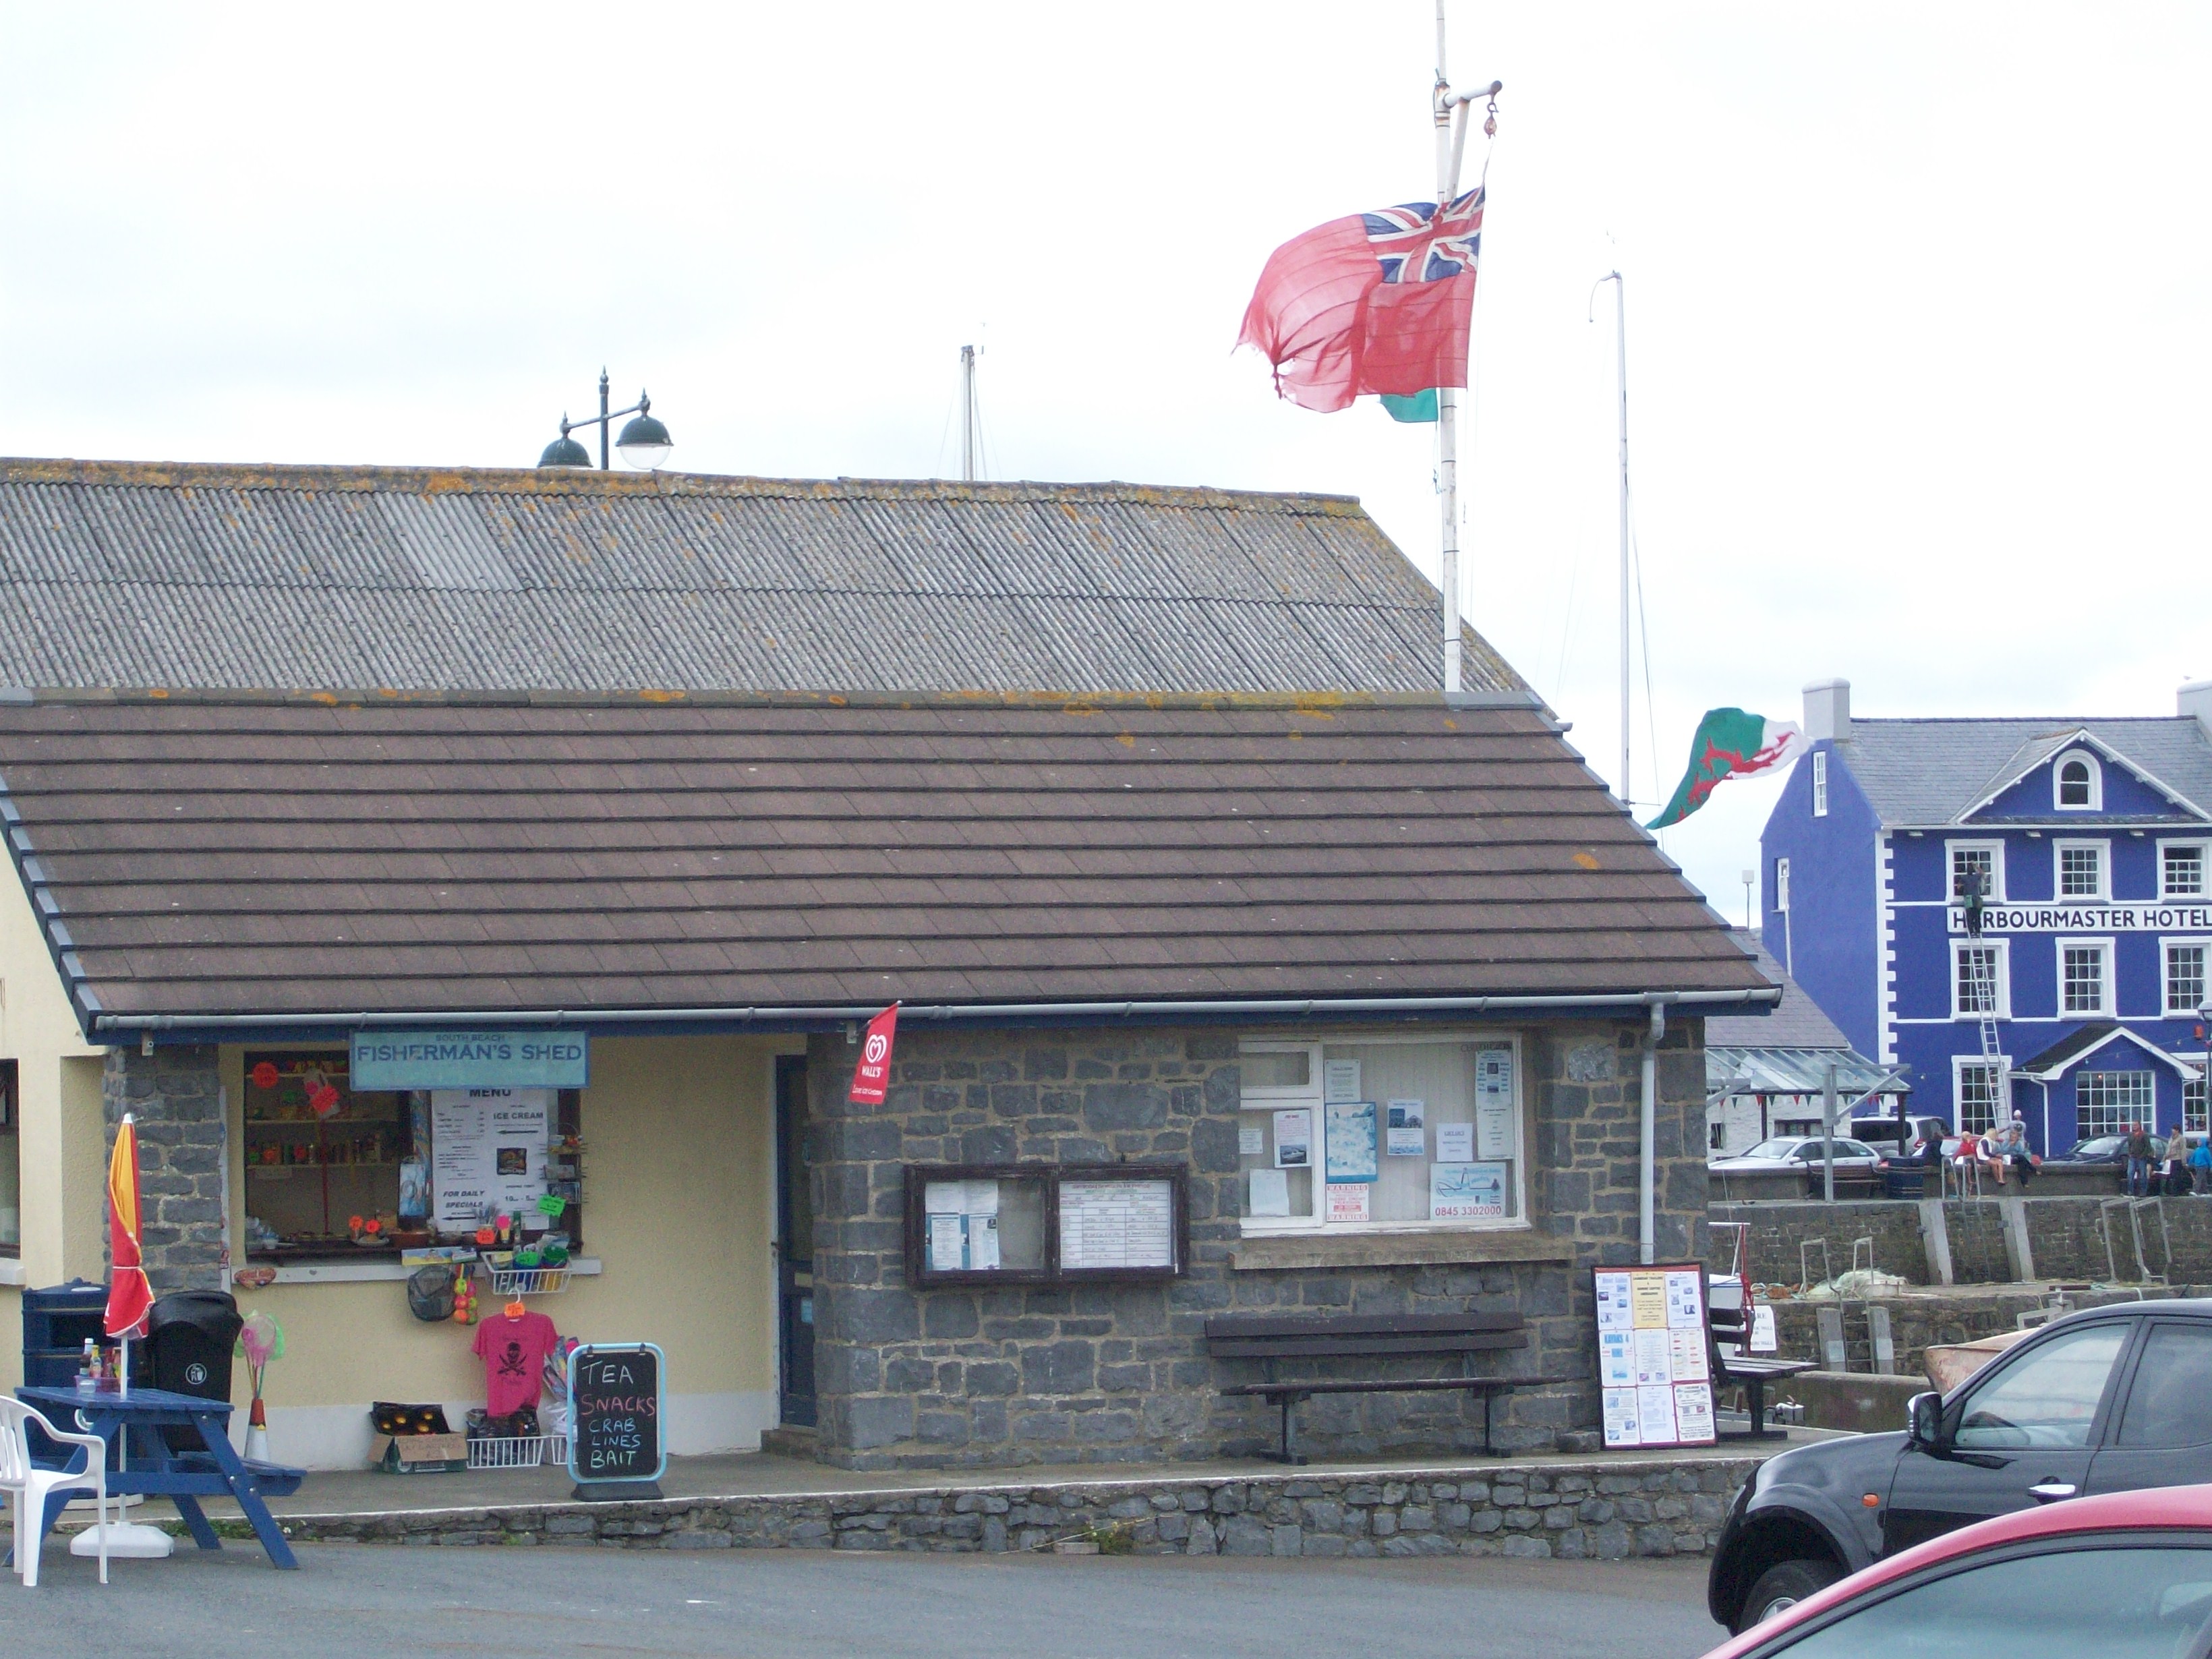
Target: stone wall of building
174 1096
973 1378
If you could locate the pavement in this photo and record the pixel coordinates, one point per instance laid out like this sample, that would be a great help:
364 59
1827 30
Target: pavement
354 1600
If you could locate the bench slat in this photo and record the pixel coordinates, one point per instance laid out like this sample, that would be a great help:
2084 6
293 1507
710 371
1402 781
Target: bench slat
1242 1326
1424 1385
1354 1347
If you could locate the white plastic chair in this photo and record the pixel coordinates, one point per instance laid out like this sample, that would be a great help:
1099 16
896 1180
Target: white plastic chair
27 1484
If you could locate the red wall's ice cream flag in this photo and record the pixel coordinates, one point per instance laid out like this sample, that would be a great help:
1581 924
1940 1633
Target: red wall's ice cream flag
129 1296
873 1074
1372 302
1729 744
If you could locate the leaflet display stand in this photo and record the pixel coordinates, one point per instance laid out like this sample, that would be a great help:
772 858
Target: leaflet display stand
1654 1356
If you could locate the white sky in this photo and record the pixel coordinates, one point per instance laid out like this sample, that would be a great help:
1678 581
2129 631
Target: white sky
1917 325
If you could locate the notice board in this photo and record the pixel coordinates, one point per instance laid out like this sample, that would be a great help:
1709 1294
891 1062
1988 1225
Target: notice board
1654 1355
615 1394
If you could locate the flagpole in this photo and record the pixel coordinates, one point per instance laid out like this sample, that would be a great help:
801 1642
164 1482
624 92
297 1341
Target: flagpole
1447 396
1620 347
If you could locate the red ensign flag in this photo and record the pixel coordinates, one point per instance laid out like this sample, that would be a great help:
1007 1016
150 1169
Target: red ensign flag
1372 302
874 1072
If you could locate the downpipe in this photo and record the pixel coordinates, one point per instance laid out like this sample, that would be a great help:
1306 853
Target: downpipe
1647 1196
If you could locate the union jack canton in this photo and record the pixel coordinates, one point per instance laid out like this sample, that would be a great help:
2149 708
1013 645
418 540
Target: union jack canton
1416 244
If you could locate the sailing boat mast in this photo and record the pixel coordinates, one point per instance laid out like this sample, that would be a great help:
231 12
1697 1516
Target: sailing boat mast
1620 343
969 428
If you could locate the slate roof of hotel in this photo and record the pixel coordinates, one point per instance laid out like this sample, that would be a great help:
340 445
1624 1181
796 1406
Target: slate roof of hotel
202 855
1926 773
127 574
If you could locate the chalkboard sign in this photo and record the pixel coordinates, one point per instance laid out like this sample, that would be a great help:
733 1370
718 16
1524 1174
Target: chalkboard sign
616 1393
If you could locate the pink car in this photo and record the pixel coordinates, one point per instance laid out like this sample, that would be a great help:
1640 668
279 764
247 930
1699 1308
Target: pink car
2128 1575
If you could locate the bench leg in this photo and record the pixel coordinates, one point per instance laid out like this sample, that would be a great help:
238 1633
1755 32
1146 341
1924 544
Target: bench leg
1290 1452
1489 1448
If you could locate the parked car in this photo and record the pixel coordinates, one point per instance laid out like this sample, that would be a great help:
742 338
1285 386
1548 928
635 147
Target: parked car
1796 1151
2106 1400
2107 1148
2124 1576
1889 1136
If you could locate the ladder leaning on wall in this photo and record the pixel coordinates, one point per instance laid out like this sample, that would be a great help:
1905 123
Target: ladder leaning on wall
1981 980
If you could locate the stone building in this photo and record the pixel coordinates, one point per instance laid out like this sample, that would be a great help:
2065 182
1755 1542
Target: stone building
1289 999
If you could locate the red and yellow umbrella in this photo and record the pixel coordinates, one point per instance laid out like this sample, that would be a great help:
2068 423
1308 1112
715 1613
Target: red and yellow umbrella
129 1295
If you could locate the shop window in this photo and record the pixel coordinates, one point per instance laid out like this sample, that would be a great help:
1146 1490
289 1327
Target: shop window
1978 990
2084 976
2185 979
1977 861
323 1161
2181 870
2079 784
2081 869
2106 1102
11 1163
1978 1097
319 1156
1383 1133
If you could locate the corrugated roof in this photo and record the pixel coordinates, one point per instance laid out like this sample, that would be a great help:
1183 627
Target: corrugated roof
1755 1071
1926 773
198 855
123 574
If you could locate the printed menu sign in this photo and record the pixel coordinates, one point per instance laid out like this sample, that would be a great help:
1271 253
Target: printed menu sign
487 1154
1653 1376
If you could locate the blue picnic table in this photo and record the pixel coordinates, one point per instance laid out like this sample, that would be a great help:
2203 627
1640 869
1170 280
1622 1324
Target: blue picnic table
155 1469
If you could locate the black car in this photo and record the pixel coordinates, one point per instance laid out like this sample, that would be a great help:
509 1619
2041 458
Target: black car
2107 1400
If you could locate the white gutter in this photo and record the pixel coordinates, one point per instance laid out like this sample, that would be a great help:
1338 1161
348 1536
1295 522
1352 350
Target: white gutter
980 1012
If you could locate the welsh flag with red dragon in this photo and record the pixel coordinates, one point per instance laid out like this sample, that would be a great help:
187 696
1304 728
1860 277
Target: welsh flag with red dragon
1729 744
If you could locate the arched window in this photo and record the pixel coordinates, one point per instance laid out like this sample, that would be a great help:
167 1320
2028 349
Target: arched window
2078 778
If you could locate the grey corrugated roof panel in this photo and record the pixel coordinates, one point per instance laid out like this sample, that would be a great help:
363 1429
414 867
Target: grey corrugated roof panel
1925 773
251 577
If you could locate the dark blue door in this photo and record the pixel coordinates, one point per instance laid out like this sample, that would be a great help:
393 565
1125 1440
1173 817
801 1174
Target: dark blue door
795 1231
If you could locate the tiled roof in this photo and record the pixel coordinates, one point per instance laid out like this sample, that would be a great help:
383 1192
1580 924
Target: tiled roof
1926 773
116 574
1796 1021
247 856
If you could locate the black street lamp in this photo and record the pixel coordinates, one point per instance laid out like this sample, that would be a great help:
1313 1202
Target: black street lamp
644 442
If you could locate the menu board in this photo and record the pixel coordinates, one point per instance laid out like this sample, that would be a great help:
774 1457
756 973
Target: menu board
1654 1378
487 1154
615 1398
1493 1102
1116 1224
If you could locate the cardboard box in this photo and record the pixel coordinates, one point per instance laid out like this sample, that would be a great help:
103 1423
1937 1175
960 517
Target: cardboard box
421 1453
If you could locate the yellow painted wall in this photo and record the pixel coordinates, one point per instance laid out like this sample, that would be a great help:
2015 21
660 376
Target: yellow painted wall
679 1194
59 1142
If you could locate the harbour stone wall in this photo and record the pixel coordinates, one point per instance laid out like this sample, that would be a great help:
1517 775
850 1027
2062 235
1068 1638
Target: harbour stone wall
969 1377
1600 1510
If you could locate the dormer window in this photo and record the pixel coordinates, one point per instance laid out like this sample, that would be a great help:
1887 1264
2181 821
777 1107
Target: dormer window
2080 783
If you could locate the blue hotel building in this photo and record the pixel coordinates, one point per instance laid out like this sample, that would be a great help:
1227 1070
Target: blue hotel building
2090 842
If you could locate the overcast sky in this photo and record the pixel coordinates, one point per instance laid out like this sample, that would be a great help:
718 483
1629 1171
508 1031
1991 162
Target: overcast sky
1918 338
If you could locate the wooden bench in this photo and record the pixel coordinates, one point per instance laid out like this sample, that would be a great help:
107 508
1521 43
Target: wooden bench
1269 1340
1745 1370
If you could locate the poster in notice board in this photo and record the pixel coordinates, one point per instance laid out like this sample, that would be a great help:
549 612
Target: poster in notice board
616 1392
1654 1376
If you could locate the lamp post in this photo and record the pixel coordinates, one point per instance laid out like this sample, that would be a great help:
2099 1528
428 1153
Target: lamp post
644 442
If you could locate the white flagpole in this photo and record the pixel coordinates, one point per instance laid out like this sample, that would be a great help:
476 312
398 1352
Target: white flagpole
1621 339
1447 396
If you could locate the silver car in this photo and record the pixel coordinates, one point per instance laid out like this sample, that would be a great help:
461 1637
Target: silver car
1796 1153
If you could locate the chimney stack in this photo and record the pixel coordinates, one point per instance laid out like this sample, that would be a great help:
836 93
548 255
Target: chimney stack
2195 697
1828 710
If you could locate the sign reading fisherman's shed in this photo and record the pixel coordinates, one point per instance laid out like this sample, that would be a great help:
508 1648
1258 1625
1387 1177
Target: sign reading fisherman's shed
472 1059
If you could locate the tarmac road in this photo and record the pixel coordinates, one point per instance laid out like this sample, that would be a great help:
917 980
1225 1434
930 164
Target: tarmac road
366 1603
